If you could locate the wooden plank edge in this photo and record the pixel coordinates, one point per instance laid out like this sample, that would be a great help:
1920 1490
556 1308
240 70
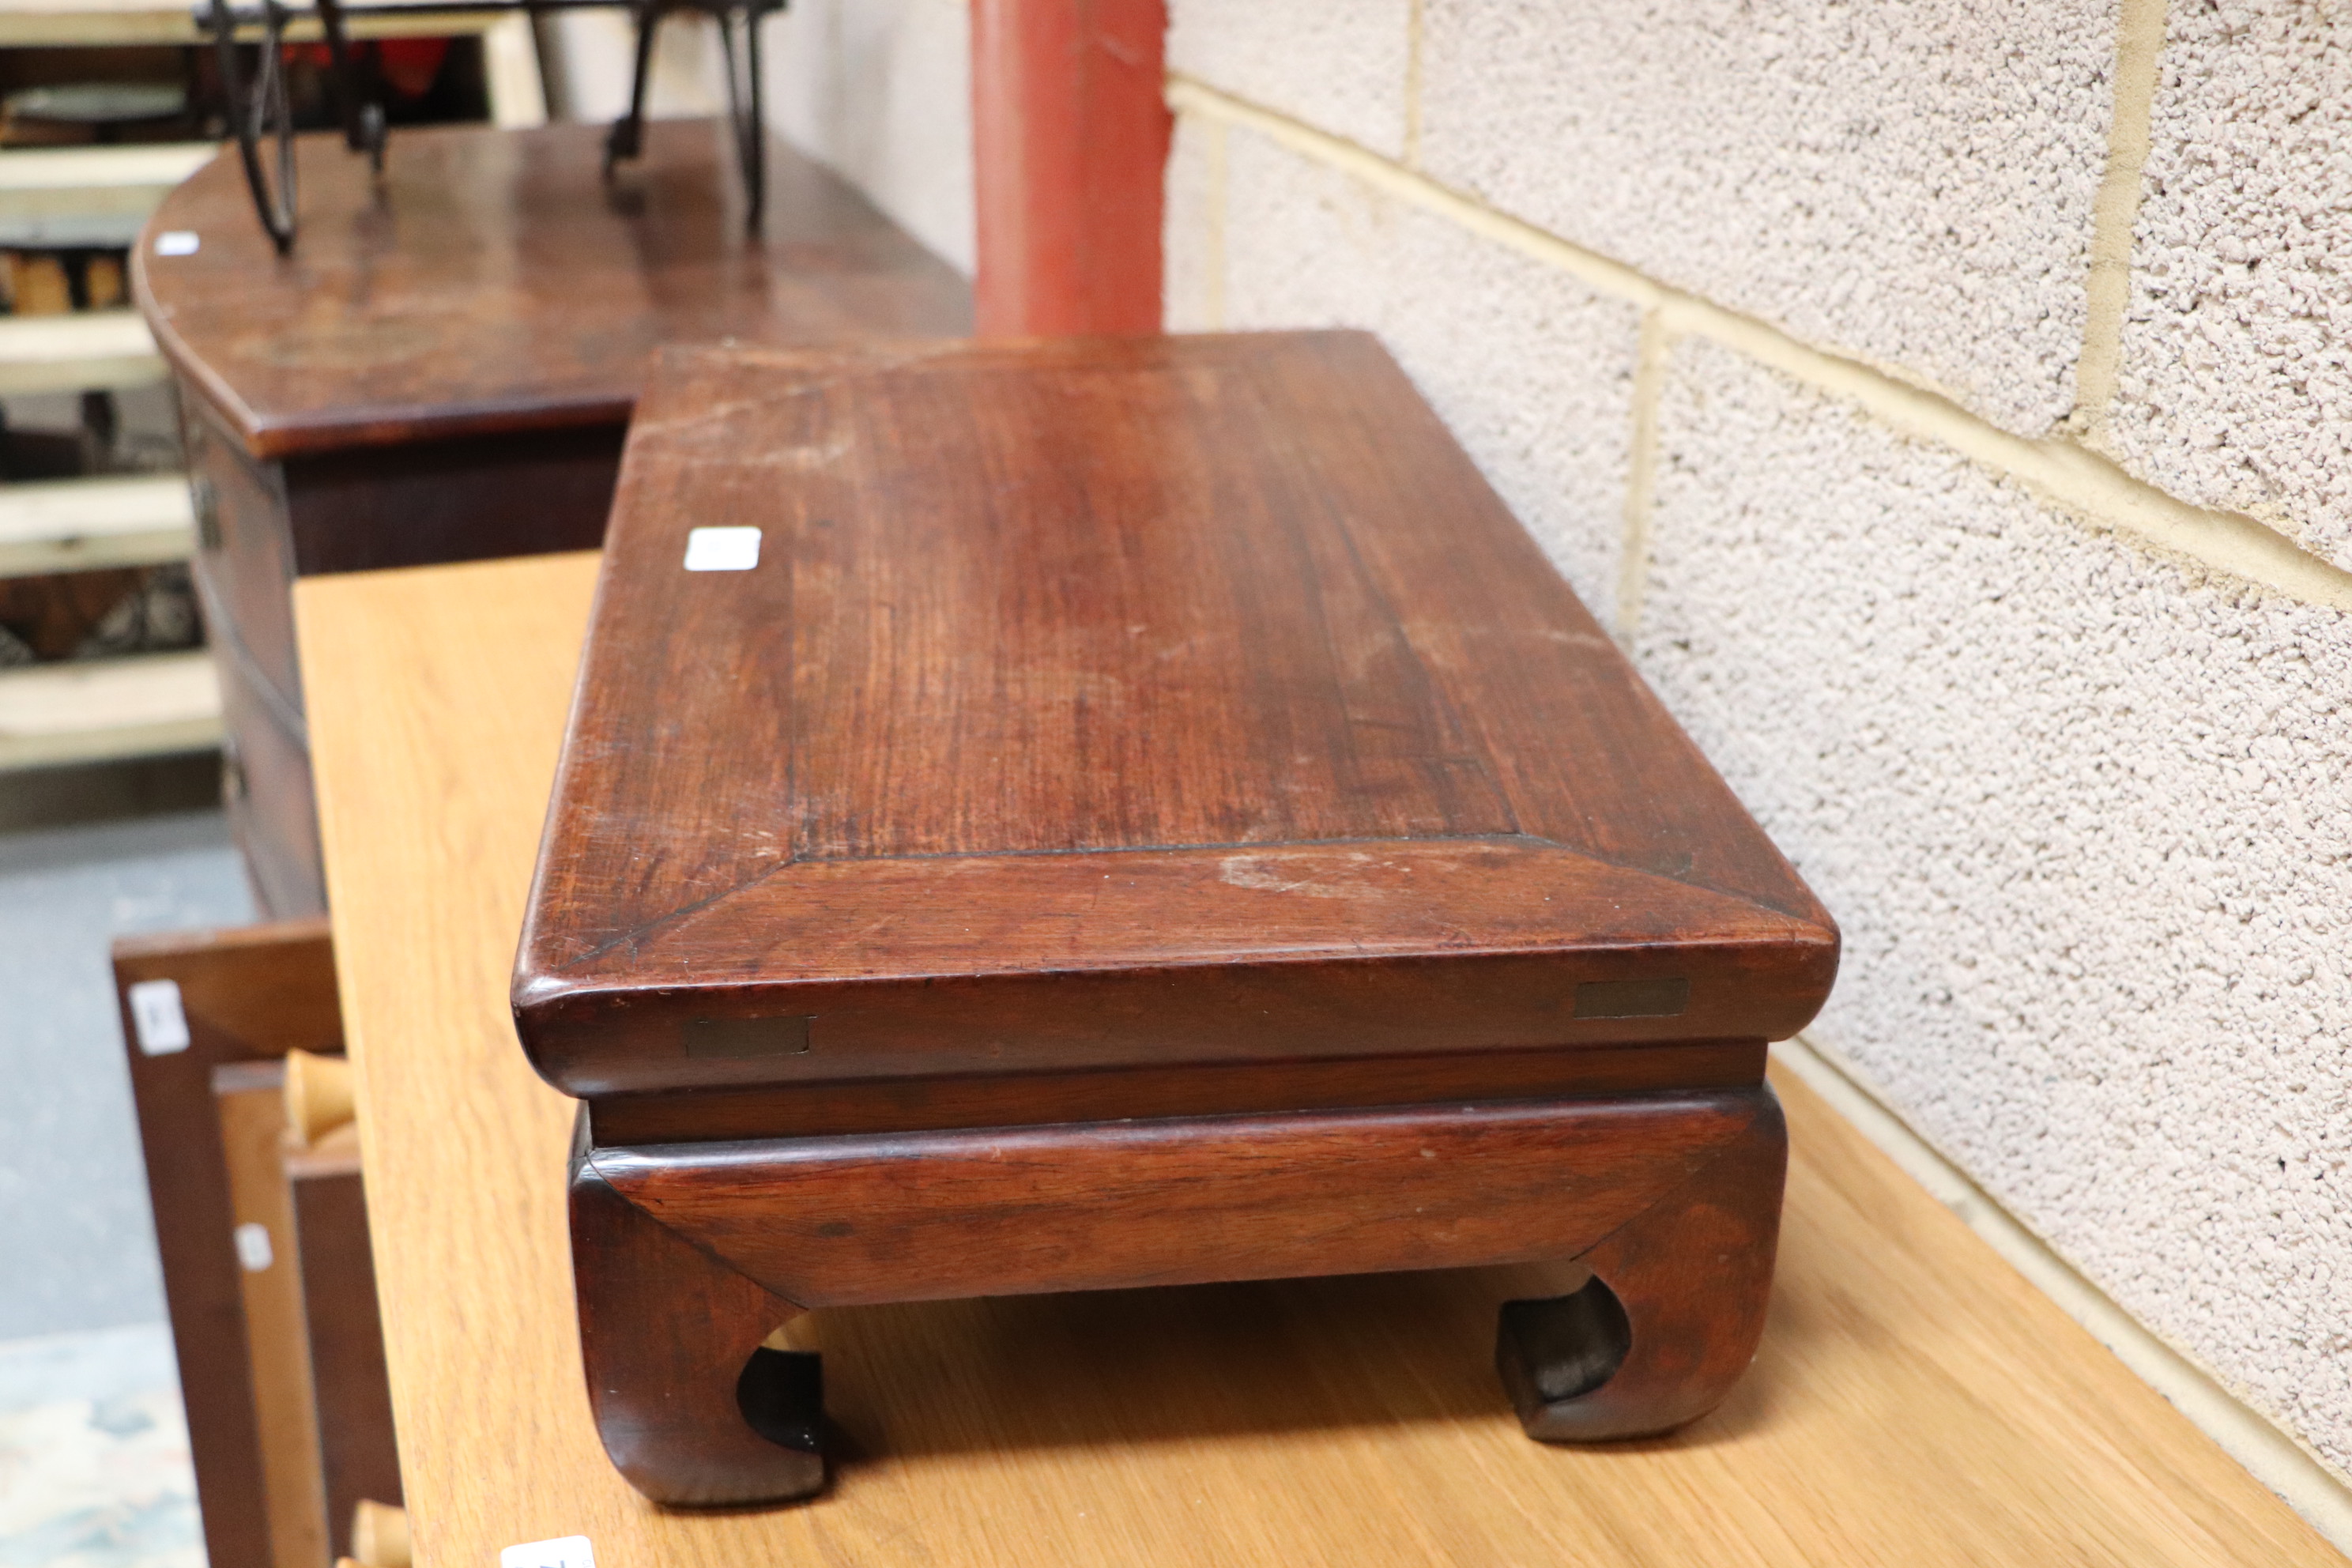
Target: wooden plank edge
113 373
89 552
189 723
56 25
75 525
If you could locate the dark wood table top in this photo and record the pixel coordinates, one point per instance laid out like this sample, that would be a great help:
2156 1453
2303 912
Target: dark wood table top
496 282
1114 703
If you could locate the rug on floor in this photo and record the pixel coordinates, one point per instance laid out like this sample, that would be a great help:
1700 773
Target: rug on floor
94 1469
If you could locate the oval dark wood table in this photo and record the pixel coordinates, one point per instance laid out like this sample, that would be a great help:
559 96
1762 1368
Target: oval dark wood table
443 368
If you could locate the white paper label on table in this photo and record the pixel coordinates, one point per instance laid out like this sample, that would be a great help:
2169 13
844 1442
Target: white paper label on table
253 1248
572 1552
157 1018
177 242
722 549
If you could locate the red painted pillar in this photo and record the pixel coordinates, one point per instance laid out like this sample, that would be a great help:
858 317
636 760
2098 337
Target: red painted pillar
1070 143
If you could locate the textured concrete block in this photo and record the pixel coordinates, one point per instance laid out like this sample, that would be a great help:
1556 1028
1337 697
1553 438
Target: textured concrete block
2085 816
1532 372
1909 184
1192 248
1340 65
590 56
881 90
2235 384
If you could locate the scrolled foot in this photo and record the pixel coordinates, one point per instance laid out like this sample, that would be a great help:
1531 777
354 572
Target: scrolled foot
1672 1312
691 1407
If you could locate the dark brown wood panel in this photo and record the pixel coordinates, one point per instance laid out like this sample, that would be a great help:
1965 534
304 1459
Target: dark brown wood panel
1114 703
466 497
244 559
665 1332
357 1454
920 1104
1691 1276
248 994
266 789
838 1221
494 281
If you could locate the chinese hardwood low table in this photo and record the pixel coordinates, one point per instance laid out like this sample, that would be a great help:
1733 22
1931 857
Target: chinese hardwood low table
1080 814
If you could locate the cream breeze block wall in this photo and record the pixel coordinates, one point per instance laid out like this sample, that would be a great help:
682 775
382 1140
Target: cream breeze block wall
881 90
1933 397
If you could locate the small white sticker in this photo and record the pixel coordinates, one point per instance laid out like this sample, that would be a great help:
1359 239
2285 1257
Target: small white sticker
722 549
157 1017
177 242
253 1247
572 1552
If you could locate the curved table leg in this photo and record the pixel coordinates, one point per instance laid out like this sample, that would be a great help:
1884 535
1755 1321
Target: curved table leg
690 1408
1672 1312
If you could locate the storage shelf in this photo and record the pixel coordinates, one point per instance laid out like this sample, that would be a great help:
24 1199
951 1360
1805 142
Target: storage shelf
83 351
94 196
74 525
95 22
25 23
102 709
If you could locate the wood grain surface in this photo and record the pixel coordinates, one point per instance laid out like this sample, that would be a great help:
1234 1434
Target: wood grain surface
1191 1200
250 994
495 281
917 1104
1115 702
1915 1401
357 1458
251 1099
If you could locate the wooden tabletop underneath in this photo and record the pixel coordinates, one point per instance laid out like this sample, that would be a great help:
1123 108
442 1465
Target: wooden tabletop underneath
1916 1401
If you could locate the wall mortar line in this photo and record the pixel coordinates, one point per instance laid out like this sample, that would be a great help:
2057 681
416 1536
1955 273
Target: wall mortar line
2063 473
2268 1452
1641 475
2115 213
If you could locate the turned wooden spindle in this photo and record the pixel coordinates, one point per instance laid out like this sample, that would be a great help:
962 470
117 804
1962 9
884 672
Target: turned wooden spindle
318 1094
379 1535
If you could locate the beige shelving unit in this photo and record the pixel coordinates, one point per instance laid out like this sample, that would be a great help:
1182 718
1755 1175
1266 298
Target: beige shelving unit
89 195
517 95
105 709
100 196
78 525
96 196
100 710
88 351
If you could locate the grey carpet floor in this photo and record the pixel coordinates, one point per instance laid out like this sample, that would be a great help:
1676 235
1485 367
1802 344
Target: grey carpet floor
93 1446
74 1224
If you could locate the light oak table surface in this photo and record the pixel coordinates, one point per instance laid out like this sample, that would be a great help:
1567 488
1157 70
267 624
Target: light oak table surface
1915 1403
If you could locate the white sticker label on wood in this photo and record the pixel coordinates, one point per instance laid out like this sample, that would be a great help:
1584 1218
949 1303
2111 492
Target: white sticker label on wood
722 549
177 242
157 1018
253 1248
572 1552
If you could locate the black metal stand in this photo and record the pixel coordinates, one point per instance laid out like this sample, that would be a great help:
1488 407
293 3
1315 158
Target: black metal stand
259 112
261 116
